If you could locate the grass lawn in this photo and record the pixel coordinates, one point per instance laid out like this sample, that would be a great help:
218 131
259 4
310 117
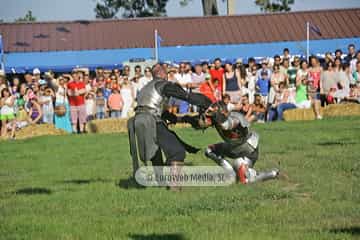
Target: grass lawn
77 187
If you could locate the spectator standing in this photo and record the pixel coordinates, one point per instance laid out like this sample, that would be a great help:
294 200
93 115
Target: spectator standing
250 84
46 101
232 83
263 85
115 103
351 53
329 81
28 79
127 95
354 61
184 79
100 104
62 122
197 78
90 106
7 115
217 73
146 78
277 77
76 93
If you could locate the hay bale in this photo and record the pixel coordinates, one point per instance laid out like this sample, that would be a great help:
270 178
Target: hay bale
37 130
332 110
349 109
109 125
300 114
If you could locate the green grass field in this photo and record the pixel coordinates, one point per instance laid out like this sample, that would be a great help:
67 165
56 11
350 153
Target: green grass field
77 187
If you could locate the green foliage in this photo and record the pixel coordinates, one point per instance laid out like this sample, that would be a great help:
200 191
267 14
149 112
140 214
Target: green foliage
78 187
274 5
27 18
131 8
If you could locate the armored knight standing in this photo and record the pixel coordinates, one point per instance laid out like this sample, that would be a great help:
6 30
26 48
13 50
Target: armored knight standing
148 131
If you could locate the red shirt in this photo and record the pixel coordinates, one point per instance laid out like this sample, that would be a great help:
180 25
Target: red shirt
76 100
217 73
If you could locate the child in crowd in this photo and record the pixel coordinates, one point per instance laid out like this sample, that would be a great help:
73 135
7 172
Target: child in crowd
263 86
90 105
7 115
115 103
106 93
100 104
46 100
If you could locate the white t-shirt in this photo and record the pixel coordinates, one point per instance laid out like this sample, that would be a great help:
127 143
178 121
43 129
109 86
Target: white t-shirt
60 95
143 81
90 106
182 79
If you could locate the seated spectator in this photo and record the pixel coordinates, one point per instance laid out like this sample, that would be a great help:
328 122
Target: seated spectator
282 102
263 86
259 110
115 103
354 94
247 108
229 105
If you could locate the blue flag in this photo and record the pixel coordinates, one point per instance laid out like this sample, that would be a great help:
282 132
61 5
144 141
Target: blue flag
315 29
159 40
1 53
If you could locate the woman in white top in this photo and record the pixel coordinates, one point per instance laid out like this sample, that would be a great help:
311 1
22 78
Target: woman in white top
7 115
127 95
62 122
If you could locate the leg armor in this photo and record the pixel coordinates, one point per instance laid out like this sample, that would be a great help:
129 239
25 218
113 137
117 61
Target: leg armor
247 174
220 161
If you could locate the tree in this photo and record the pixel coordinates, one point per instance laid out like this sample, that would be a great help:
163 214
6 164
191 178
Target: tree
274 5
156 8
131 8
27 18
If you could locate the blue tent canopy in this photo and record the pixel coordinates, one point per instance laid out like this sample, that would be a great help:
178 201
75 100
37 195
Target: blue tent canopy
64 61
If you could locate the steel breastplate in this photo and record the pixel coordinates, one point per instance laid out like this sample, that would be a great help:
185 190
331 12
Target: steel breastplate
150 97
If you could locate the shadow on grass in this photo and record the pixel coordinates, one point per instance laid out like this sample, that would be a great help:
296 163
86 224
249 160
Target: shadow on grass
166 236
33 191
332 143
85 181
129 183
347 230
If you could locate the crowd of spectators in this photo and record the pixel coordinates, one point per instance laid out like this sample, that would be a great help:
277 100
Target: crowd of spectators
262 91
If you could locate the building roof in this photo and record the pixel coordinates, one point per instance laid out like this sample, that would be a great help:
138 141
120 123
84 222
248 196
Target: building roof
139 33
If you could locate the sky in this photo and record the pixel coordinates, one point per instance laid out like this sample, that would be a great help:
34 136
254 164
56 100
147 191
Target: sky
62 10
